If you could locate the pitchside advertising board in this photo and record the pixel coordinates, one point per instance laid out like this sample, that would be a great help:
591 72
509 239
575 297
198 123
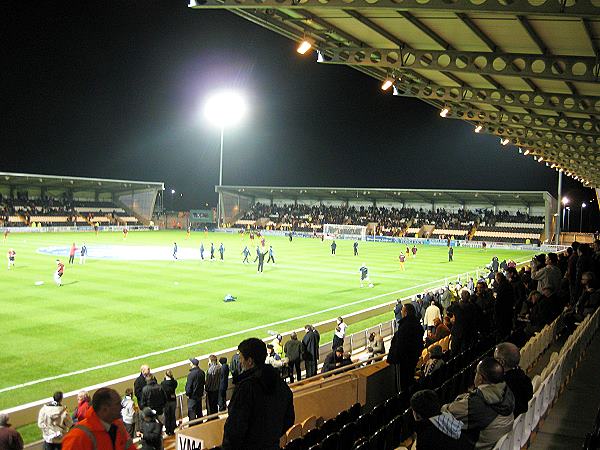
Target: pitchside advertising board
188 443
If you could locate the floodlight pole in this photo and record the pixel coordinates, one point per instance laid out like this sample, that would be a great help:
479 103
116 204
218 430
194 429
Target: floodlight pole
219 213
559 217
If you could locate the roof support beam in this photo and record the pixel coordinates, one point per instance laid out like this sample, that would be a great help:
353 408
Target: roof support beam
571 68
515 7
502 97
536 121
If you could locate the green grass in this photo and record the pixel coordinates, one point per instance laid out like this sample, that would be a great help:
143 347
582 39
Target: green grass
109 310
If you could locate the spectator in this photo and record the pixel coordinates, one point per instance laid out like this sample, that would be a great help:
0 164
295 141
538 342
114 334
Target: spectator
431 313
293 351
54 421
486 411
508 355
406 348
261 408
590 296
333 360
503 306
140 383
224 383
128 411
169 387
435 361
375 345
194 389
153 395
398 311
276 343
538 312
83 404
435 429
548 276
236 368
339 333
92 433
310 349
571 274
213 381
440 331
10 439
151 432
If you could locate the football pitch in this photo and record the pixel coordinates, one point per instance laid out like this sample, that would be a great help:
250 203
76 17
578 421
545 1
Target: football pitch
136 304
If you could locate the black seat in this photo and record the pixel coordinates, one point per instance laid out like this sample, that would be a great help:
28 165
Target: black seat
296 444
354 411
376 442
329 426
331 442
392 406
348 434
342 418
378 416
362 444
363 424
314 436
389 438
315 447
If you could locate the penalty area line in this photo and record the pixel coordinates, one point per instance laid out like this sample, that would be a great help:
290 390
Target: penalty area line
218 338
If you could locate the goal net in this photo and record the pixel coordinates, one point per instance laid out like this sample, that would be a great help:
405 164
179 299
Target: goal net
331 231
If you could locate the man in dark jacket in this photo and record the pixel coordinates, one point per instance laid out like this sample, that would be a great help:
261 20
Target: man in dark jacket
261 408
406 347
310 347
293 352
503 306
140 383
333 360
151 431
153 395
508 355
224 384
194 389
435 430
10 439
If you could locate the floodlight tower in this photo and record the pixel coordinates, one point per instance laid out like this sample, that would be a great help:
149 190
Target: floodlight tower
224 108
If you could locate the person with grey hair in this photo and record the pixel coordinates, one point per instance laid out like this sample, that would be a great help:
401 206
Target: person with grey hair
10 439
508 355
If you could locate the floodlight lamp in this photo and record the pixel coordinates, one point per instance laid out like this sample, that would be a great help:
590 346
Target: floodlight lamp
583 205
172 191
304 46
526 152
565 200
387 83
540 159
225 108
504 141
444 112
478 128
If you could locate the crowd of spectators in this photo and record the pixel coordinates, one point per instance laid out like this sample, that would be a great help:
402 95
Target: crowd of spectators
389 221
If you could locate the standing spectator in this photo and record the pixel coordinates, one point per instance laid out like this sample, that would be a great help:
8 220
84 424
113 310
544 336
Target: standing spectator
310 348
153 395
276 343
486 411
435 429
406 348
548 276
140 383
102 428
213 381
10 439
503 306
169 387
571 273
431 313
194 389
54 421
262 407
236 367
398 311
508 355
224 383
293 352
339 333
128 411
83 404
151 433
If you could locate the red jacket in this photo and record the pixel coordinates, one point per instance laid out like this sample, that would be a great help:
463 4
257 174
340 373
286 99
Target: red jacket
81 411
82 435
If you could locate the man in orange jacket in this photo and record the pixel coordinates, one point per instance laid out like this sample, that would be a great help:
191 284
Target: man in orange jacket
102 428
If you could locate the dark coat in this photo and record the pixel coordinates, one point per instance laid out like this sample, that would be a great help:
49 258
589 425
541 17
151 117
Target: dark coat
429 437
154 397
260 412
503 306
331 362
152 432
293 350
521 387
407 343
169 387
10 439
138 386
224 377
310 346
194 387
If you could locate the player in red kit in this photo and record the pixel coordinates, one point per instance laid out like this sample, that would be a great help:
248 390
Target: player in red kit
414 251
60 269
402 259
6 235
72 253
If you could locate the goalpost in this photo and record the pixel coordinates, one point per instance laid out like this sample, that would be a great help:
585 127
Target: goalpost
331 230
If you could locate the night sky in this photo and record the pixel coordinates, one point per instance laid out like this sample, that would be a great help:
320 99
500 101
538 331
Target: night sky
115 89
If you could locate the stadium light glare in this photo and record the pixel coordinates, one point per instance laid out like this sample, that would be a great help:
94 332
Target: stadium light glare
565 200
387 83
526 152
444 112
478 128
320 57
304 46
504 141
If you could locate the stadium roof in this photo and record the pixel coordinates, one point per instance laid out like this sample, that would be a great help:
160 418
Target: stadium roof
523 70
58 181
520 198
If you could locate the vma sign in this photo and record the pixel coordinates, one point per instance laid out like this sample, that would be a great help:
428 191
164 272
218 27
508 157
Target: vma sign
188 443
